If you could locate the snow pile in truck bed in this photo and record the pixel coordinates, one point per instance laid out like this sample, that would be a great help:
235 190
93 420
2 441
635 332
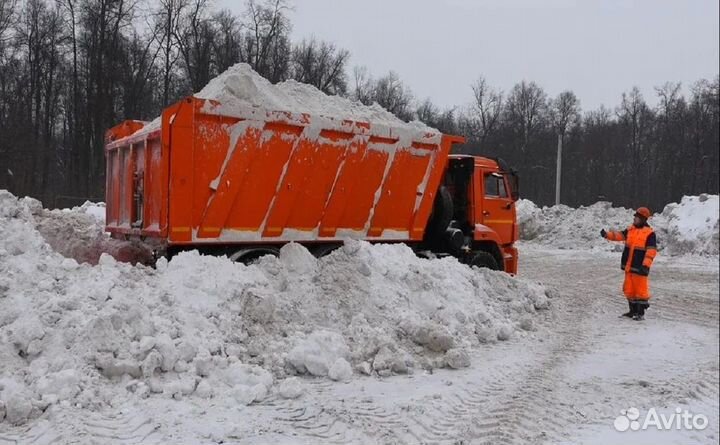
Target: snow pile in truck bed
201 326
240 86
690 226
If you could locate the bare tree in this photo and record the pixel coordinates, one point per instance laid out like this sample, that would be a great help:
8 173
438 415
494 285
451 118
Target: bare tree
390 93
635 120
137 77
444 120
703 114
195 35
362 85
669 95
525 106
670 137
7 18
428 112
320 64
267 39
564 112
167 20
227 45
485 109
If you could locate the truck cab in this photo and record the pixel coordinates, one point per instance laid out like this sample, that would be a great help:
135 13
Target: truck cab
480 193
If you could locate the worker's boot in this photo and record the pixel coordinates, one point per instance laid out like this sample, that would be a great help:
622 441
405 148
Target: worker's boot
639 312
631 312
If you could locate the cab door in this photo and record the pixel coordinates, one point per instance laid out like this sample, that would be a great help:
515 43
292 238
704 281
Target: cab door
497 206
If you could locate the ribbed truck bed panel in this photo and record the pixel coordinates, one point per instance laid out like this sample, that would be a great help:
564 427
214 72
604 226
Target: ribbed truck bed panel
206 175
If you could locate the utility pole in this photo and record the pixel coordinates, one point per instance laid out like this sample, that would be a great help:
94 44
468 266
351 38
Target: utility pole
558 173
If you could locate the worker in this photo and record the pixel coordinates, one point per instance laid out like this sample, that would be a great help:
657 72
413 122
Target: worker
637 258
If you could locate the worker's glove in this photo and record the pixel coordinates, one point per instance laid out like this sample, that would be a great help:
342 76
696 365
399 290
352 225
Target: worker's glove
603 233
644 270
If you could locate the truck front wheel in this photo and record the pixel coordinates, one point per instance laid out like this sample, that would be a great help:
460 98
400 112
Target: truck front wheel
484 259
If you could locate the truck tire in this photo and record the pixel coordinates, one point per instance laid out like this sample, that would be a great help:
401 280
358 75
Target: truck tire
324 250
251 255
442 213
484 259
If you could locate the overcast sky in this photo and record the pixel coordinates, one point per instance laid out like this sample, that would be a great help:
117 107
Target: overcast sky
597 48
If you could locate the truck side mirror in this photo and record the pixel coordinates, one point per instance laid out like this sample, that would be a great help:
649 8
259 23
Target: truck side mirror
514 186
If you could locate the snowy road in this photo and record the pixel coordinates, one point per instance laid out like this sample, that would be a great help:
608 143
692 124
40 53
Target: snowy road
564 383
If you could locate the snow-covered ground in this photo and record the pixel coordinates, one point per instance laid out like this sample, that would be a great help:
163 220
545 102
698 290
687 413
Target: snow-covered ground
84 335
367 345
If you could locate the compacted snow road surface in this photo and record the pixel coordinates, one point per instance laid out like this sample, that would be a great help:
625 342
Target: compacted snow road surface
566 382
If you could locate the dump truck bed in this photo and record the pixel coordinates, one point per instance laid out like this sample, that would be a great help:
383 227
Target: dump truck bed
201 174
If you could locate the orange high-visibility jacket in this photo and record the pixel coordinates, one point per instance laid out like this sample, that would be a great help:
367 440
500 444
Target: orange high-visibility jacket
640 248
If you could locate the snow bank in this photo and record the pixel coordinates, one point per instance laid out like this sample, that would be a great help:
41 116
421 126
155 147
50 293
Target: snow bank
94 209
567 228
79 233
201 326
688 227
241 87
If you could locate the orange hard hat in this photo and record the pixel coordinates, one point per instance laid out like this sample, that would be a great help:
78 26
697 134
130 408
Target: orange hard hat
643 212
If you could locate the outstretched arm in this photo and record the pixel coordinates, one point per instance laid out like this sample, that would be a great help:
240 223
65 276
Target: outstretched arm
614 236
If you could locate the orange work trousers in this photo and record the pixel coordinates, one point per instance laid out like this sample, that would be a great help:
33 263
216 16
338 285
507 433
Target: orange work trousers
635 287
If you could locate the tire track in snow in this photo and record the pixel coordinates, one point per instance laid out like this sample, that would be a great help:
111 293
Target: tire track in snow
507 406
529 403
43 432
699 309
446 420
362 420
321 423
120 426
532 412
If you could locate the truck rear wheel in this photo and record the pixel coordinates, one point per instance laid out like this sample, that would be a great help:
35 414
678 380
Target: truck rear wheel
250 255
484 259
324 249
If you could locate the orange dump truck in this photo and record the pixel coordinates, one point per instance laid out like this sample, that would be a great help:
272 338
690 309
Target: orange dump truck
246 182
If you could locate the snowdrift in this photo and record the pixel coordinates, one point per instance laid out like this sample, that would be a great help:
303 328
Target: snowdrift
79 233
566 228
200 326
688 227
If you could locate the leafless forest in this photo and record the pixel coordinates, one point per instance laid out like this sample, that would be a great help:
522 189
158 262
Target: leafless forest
70 69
